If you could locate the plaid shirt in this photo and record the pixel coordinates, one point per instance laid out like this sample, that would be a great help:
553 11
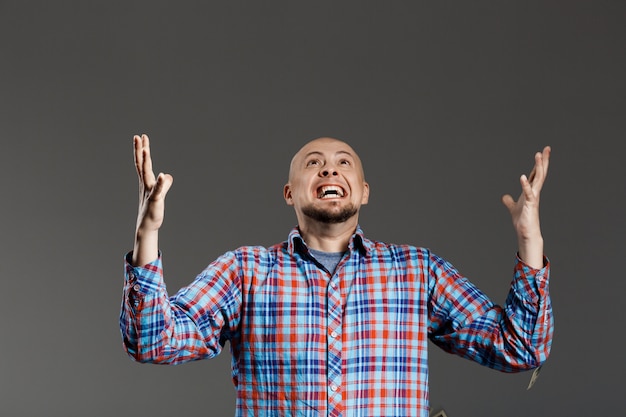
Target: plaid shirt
308 343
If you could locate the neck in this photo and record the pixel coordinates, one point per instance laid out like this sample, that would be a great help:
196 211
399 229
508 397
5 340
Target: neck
326 237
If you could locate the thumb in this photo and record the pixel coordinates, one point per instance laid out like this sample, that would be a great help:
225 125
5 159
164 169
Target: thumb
508 201
163 184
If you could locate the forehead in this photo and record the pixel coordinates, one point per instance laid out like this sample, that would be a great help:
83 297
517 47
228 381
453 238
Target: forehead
324 146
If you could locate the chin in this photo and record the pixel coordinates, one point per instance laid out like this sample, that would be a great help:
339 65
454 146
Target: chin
338 215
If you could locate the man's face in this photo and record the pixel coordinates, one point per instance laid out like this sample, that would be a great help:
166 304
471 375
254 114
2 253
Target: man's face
326 182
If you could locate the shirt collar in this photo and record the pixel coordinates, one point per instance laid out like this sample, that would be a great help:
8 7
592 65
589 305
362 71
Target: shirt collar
295 242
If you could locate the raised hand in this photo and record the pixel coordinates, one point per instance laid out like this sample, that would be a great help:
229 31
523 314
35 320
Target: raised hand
152 192
525 211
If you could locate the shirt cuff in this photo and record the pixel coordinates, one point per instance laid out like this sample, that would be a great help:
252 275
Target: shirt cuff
540 275
143 279
531 282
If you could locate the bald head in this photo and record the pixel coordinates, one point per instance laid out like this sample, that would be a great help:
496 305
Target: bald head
321 146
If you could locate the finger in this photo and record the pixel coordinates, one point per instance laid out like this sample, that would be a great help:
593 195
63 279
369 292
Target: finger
527 189
539 168
138 154
542 161
547 151
533 173
537 175
146 168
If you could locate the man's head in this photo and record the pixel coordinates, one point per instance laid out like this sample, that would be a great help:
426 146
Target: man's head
326 183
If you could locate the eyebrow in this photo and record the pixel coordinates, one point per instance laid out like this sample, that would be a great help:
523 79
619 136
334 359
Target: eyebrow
320 153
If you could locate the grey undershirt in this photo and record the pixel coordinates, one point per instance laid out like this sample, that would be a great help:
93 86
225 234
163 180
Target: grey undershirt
329 260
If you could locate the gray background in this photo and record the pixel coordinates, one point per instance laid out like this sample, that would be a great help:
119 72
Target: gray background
446 102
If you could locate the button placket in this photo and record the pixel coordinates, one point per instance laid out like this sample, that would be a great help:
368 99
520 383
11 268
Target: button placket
334 314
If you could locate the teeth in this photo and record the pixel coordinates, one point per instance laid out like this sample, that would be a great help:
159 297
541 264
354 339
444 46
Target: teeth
330 191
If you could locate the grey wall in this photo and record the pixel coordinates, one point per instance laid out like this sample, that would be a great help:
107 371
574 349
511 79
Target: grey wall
445 101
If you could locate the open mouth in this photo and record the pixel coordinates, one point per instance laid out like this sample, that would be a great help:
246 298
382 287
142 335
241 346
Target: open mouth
330 191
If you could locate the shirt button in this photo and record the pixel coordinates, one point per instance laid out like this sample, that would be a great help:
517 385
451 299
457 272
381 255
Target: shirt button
333 334
333 284
334 388
136 287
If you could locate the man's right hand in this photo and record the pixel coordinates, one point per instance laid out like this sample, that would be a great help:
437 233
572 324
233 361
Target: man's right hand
152 192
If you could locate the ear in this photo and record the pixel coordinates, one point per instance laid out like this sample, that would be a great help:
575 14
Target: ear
366 193
287 195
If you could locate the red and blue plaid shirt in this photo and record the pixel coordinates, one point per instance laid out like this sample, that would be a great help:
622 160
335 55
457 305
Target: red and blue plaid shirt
354 343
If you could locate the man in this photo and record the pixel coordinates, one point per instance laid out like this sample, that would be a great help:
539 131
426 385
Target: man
329 322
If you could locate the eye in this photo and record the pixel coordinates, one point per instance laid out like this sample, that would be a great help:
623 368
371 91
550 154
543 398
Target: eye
313 162
345 162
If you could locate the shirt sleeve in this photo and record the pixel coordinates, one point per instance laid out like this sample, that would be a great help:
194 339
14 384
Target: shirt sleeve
193 324
509 338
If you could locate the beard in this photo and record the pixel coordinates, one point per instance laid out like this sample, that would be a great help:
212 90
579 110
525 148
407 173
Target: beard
330 216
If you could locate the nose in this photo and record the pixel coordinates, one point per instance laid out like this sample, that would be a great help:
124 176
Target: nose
328 172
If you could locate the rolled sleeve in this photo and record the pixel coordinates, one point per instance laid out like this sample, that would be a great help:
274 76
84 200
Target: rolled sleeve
531 283
145 279
530 309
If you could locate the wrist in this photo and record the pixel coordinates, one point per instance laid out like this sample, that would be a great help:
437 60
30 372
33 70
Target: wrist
531 251
143 233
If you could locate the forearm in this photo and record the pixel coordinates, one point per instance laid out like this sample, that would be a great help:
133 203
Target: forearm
188 326
526 321
511 338
531 250
156 332
146 248
154 328
528 317
515 338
